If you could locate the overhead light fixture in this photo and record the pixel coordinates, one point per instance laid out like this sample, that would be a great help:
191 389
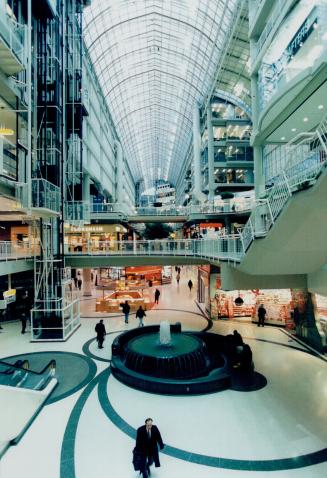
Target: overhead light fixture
320 107
6 131
282 138
305 119
293 129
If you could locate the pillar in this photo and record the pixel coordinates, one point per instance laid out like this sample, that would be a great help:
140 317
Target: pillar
86 187
259 180
197 190
119 173
87 283
211 155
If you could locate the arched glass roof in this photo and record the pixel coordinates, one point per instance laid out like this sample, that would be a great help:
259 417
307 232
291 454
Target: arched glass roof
154 60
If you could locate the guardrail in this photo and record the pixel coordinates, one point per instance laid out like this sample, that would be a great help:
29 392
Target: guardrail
225 247
13 251
224 206
13 33
45 195
77 212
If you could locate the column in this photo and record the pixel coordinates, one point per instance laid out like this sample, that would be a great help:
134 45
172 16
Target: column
211 155
119 172
86 206
259 180
197 192
87 283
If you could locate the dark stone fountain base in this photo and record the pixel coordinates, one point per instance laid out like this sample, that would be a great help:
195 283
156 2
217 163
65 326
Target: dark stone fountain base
197 363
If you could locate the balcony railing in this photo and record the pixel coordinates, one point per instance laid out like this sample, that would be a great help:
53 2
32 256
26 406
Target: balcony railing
13 34
77 212
223 206
46 195
226 247
14 251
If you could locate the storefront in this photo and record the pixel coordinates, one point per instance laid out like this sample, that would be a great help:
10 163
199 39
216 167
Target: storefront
95 237
133 277
238 304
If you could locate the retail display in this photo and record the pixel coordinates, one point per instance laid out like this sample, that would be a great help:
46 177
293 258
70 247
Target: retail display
112 302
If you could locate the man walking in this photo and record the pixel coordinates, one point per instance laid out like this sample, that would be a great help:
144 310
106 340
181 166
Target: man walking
101 333
261 315
140 313
126 308
148 438
190 285
156 296
26 311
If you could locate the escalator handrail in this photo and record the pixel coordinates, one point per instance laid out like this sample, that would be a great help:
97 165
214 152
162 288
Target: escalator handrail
51 364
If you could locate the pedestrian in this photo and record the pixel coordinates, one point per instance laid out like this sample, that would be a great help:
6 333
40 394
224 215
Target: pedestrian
190 285
126 308
140 313
148 438
75 282
150 283
179 270
79 283
261 315
101 333
156 296
25 311
178 277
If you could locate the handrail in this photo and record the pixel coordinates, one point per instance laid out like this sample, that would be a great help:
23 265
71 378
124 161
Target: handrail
51 364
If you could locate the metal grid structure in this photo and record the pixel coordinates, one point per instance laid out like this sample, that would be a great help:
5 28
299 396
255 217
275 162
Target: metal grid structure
233 79
155 59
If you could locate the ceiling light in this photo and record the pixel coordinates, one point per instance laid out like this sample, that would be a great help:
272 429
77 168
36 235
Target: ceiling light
6 131
320 107
305 119
293 129
282 138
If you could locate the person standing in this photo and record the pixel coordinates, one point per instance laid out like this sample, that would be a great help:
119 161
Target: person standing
261 315
156 296
79 282
126 309
101 333
148 438
140 313
178 277
25 311
190 285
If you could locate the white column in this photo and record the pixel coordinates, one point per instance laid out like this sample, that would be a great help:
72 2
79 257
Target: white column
197 192
87 283
259 180
28 178
211 156
119 172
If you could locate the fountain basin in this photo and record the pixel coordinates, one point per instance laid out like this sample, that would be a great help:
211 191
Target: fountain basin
185 357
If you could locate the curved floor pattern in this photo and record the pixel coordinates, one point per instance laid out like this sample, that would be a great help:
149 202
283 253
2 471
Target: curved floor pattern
73 370
68 446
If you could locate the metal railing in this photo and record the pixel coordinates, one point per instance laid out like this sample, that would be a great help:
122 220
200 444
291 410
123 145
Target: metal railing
77 212
13 251
224 206
45 195
13 34
225 247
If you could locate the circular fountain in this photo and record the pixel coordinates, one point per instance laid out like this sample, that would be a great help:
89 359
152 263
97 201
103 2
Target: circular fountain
166 360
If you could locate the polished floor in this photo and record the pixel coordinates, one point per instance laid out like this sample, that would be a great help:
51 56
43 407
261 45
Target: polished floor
88 431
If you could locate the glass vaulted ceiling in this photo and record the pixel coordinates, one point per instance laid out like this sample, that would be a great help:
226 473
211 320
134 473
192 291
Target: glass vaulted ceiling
154 60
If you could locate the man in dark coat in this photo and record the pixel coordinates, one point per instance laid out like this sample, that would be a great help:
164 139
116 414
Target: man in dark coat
101 332
147 440
156 296
126 309
261 315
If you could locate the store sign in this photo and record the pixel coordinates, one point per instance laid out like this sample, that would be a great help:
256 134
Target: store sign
9 296
301 36
86 229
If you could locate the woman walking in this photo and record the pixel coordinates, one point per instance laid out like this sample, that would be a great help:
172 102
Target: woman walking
140 313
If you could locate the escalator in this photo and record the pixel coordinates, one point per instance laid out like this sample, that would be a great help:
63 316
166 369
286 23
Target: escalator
19 375
23 393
